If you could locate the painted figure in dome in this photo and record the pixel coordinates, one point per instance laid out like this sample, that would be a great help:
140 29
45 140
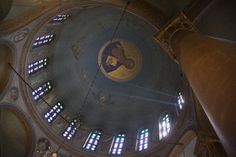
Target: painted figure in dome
113 57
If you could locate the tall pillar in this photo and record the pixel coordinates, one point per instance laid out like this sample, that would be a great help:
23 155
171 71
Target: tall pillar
210 67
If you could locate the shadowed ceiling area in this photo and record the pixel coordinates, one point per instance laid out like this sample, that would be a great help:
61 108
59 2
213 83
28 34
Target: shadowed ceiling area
168 7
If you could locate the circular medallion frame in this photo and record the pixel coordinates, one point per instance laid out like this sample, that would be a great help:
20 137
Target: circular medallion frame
120 60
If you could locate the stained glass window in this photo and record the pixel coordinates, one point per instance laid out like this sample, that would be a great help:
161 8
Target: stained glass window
92 140
37 65
117 144
164 126
53 112
43 40
71 129
142 140
41 90
180 101
60 18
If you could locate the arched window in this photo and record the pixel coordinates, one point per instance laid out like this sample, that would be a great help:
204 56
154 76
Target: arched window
164 126
41 90
60 18
43 40
71 130
180 101
117 144
142 140
52 114
37 65
92 140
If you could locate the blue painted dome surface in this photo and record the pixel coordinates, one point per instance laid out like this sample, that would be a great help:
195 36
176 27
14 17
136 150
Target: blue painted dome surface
109 104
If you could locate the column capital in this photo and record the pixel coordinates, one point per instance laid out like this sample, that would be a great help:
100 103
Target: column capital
164 36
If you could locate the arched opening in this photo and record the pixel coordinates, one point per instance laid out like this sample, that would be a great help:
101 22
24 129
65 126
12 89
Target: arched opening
5 7
185 146
15 134
164 125
5 58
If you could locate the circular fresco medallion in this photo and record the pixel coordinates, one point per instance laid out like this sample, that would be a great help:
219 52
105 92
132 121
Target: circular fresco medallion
120 60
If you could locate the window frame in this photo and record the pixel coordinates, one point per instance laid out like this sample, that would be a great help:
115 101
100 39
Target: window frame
76 124
180 101
41 42
37 90
39 64
138 140
95 138
114 139
55 18
53 112
161 121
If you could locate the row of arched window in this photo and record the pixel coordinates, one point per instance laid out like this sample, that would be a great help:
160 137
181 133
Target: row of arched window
118 141
92 141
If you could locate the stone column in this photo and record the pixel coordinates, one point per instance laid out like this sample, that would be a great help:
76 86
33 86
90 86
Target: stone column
210 67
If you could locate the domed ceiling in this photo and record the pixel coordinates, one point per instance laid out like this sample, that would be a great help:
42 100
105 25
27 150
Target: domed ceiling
114 98
114 82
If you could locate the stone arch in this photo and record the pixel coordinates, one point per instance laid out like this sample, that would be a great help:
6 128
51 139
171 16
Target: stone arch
5 70
16 134
185 142
5 7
